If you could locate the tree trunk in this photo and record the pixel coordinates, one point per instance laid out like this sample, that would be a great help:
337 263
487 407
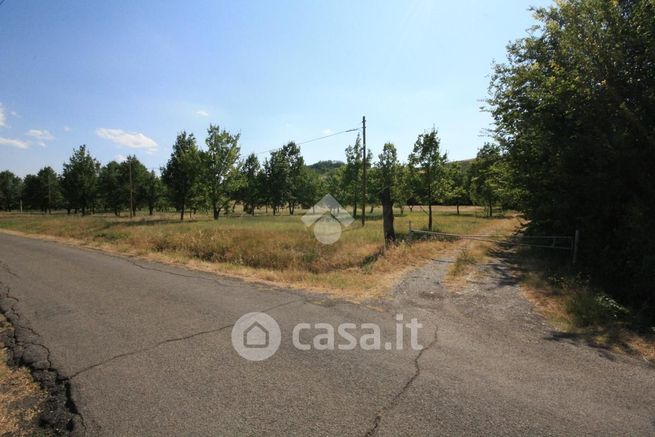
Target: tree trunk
355 211
387 216
182 213
150 210
430 216
457 208
217 211
371 210
490 208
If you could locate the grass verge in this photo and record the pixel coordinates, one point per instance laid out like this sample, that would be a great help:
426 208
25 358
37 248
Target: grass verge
279 249
21 398
573 306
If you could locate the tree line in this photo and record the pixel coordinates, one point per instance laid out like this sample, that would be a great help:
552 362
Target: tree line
216 178
574 108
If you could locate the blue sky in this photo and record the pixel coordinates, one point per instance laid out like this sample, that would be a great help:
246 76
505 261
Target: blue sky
125 77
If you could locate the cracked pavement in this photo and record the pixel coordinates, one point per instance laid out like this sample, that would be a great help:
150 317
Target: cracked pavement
146 349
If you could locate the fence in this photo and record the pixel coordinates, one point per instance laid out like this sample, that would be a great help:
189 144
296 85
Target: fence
557 242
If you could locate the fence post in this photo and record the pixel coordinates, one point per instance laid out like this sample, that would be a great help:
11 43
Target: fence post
576 241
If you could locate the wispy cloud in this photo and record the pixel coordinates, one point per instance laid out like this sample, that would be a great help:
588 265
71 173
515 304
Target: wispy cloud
327 131
133 140
120 158
13 142
202 113
3 117
67 129
40 135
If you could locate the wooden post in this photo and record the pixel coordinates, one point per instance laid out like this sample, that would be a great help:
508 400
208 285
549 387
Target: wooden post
576 241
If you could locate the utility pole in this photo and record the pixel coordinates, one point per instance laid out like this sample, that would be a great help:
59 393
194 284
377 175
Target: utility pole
364 171
129 162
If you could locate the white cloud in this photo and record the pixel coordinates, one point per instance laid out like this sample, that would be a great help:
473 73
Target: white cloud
41 136
327 131
13 142
120 158
3 118
14 113
202 113
133 140
67 129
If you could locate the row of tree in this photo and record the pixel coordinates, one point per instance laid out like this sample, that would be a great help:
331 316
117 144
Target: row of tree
217 178
574 107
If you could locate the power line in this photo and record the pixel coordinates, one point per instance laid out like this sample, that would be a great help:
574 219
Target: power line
313 139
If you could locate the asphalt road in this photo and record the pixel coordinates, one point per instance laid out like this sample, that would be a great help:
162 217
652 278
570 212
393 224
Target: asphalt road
147 351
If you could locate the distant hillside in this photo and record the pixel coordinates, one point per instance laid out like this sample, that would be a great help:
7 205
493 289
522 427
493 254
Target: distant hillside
324 168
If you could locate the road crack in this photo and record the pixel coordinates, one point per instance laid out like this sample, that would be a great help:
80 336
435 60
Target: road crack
396 398
170 340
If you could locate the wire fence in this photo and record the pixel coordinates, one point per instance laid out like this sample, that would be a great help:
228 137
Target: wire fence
556 242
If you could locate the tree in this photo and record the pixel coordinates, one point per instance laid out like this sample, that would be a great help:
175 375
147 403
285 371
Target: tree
388 167
153 191
31 192
309 188
50 192
181 172
275 179
458 184
250 189
487 178
10 190
134 177
113 191
218 164
574 110
79 180
295 162
352 176
429 169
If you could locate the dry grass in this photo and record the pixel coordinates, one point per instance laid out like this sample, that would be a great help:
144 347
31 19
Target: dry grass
571 306
264 248
20 399
475 252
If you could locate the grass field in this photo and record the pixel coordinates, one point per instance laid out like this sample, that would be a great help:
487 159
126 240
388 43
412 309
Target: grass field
278 249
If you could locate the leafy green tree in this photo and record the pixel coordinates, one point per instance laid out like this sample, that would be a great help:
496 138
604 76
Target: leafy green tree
31 192
574 109
218 163
458 184
352 176
134 177
487 177
428 164
153 192
10 190
112 187
181 172
388 168
250 189
49 189
275 180
309 188
79 180
295 174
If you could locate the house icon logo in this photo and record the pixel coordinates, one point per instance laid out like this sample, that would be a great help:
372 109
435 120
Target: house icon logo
327 219
256 336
